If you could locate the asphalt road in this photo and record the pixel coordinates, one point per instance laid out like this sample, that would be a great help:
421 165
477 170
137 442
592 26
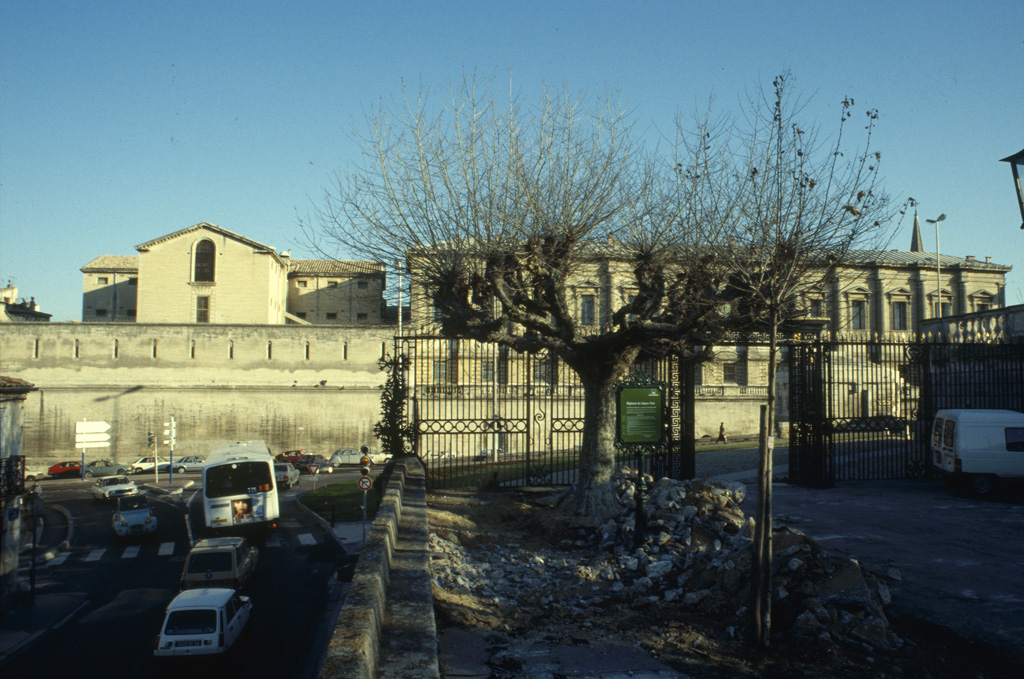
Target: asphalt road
128 584
960 559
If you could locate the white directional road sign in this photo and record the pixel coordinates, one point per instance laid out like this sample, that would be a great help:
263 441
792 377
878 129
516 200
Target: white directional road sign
91 438
91 427
93 444
92 434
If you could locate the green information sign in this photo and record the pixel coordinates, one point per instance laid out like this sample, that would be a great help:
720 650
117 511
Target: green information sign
641 414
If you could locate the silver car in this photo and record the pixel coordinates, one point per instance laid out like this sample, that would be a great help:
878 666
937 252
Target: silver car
188 463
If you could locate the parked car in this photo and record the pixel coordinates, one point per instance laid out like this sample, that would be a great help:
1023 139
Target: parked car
34 472
286 474
220 562
104 468
134 516
65 469
487 454
144 464
202 622
109 488
354 456
323 464
188 463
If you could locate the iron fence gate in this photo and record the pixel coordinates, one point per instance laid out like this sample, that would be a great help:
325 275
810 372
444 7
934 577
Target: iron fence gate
862 410
483 413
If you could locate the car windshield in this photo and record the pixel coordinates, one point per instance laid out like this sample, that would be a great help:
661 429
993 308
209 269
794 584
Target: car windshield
127 504
200 621
114 481
209 561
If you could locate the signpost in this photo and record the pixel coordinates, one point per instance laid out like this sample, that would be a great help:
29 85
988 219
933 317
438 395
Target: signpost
314 469
640 429
91 435
365 483
171 432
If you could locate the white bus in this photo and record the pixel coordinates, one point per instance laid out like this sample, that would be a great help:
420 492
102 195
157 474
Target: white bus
239 488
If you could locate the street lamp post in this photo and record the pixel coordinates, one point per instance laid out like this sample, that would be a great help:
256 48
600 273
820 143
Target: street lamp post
1016 162
938 266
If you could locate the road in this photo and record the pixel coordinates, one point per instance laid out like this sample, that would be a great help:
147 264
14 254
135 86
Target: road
128 584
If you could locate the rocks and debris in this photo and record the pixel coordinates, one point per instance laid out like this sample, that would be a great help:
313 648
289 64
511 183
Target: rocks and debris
518 566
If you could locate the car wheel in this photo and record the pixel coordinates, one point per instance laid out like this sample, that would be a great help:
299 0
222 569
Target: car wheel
122 471
30 479
180 470
88 475
983 484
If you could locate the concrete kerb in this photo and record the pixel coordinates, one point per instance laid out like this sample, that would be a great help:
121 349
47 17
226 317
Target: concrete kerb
354 650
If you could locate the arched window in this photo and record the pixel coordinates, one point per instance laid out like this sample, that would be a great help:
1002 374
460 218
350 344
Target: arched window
205 256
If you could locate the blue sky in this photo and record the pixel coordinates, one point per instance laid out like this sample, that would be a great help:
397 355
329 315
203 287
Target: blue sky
124 121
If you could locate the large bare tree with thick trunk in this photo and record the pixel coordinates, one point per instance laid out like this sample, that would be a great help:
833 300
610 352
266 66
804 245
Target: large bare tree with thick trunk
501 209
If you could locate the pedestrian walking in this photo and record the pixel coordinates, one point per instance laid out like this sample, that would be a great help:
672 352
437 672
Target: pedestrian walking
721 434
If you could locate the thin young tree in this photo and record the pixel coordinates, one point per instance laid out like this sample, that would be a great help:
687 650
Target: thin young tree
805 202
500 209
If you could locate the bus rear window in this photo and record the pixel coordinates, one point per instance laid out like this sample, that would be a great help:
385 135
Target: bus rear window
238 478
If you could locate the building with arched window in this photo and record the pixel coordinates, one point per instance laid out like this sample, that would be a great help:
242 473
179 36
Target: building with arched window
207 274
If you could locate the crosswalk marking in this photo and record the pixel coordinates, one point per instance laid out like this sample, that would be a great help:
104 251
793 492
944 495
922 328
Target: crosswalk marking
167 549
59 559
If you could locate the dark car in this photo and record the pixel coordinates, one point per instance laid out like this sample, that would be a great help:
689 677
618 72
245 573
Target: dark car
324 465
65 469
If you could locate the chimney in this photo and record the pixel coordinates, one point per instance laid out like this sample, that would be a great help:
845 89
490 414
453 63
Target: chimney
970 257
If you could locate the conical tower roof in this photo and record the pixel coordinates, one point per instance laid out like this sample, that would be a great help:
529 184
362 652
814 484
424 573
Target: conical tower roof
916 244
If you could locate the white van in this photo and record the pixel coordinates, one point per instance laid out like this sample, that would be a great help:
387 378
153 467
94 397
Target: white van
202 622
978 447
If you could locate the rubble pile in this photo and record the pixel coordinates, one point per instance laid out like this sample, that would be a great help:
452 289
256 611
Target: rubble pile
697 560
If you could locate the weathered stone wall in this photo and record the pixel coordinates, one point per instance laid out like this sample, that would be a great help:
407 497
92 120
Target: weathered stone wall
295 387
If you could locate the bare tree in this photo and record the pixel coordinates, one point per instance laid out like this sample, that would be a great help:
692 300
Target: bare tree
806 201
501 210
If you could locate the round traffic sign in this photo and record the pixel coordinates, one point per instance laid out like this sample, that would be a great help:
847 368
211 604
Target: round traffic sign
365 482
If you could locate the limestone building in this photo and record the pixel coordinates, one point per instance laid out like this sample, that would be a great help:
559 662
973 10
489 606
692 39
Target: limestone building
208 274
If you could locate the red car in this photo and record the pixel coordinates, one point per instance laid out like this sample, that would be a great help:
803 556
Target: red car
289 456
66 469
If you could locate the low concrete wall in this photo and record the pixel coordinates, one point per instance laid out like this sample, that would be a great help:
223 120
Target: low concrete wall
393 571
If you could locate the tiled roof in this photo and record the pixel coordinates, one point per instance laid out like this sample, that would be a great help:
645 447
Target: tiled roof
15 383
208 227
113 264
332 267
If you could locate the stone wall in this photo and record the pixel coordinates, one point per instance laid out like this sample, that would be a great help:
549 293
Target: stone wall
295 387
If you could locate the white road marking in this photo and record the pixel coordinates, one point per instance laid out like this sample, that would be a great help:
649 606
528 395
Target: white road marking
130 552
166 548
95 555
307 539
59 559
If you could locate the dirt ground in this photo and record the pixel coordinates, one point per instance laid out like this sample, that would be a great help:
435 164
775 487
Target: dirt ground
552 591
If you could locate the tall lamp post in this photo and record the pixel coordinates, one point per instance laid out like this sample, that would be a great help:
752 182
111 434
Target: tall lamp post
1016 162
938 266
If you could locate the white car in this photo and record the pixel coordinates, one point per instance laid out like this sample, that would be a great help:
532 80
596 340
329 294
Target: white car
286 474
354 456
202 621
134 516
147 463
109 488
